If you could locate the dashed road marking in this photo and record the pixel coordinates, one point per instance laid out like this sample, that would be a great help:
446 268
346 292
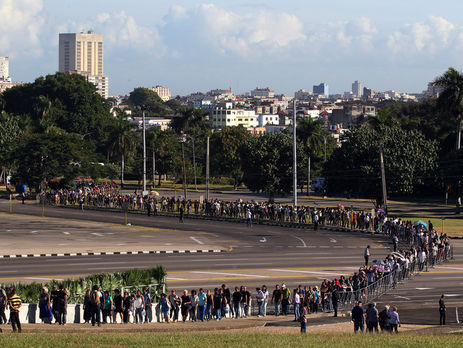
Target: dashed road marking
196 240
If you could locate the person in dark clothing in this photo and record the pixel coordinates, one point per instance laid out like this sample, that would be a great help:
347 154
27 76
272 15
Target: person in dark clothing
236 302
62 305
87 307
227 295
54 302
3 305
148 207
181 213
384 317
358 317
442 310
335 300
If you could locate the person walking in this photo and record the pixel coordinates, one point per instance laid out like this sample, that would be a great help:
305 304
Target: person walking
366 254
442 310
15 304
395 242
358 317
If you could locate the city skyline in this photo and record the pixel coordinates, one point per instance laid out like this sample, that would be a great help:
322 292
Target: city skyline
192 47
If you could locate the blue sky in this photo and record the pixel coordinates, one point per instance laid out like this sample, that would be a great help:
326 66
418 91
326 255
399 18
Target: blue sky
287 45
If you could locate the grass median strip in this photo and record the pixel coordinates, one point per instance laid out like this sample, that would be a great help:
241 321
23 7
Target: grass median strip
235 340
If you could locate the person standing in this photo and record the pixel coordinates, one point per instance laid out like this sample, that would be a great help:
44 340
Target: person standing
181 213
139 305
3 305
394 321
186 305
297 303
442 310
174 301
384 318
45 307
260 302
264 304
366 254
201 304
108 308
95 301
118 305
303 318
148 306
395 242
15 304
62 305
54 302
236 296
358 317
276 299
286 295
372 318
335 300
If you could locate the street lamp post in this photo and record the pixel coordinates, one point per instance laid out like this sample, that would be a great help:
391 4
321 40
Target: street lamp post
144 154
182 140
294 155
207 168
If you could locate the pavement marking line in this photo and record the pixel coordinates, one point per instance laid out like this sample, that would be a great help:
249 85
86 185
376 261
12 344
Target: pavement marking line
309 272
421 289
97 234
67 233
98 263
302 240
332 240
446 267
263 240
196 240
170 278
224 259
231 274
405 298
35 278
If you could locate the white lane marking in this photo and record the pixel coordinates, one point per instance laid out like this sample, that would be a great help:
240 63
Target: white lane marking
34 232
443 278
170 278
245 264
324 246
74 259
263 240
332 240
303 243
8 271
97 234
445 267
452 295
308 272
405 298
196 240
230 274
67 233
424 289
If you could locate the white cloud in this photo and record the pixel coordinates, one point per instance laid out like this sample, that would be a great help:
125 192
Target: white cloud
430 36
246 35
20 24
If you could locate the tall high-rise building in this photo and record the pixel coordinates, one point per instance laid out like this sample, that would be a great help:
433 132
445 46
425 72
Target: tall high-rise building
163 92
4 69
82 53
357 89
322 88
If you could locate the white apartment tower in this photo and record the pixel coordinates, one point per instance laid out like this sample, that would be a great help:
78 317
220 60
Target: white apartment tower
357 89
82 53
4 69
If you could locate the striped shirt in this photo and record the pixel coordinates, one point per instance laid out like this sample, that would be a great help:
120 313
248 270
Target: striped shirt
15 303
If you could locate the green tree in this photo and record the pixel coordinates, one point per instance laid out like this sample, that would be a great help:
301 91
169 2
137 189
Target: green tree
267 163
66 101
410 160
142 97
122 141
10 132
190 121
42 157
451 98
227 150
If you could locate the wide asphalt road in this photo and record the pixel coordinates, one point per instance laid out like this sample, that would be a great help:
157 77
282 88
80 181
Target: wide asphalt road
253 256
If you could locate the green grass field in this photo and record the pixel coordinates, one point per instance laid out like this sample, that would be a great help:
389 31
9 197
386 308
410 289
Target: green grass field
235 340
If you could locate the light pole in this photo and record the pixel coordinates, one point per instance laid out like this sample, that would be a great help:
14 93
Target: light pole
294 154
182 140
144 153
207 168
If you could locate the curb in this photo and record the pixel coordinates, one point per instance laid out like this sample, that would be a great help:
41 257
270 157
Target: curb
194 251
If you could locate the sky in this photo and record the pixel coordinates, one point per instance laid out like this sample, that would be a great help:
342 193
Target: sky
192 46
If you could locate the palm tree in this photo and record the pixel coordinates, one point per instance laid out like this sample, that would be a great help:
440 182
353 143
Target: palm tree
122 140
451 97
311 134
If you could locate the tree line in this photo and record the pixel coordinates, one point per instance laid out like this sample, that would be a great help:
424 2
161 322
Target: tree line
58 128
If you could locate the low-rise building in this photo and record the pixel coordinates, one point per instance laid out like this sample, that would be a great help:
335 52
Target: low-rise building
162 92
222 117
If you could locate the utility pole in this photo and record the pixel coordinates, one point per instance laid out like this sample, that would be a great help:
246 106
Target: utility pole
294 154
308 177
383 176
184 171
458 144
194 162
154 167
144 154
207 168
